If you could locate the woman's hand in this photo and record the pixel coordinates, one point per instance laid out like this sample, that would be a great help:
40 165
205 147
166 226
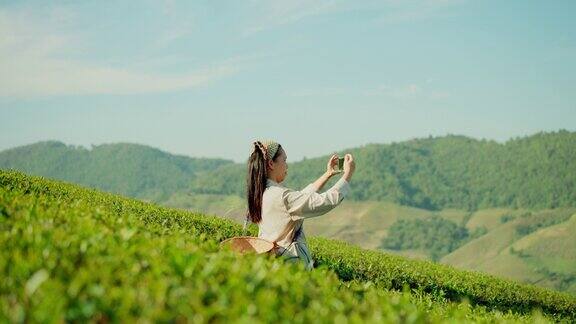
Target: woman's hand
332 163
349 166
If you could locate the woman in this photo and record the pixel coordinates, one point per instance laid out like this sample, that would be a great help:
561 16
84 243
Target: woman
279 211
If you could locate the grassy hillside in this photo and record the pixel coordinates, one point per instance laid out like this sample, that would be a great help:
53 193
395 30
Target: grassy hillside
366 224
164 264
130 169
532 247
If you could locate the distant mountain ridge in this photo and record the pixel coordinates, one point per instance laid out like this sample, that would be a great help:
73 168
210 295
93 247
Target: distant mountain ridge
131 169
434 173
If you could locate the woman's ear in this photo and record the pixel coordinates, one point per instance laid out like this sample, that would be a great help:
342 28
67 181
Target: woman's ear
270 164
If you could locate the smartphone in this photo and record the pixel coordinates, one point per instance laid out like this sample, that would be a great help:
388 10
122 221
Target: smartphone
341 164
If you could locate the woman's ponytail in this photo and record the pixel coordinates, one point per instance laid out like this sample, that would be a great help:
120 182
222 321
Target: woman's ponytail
256 181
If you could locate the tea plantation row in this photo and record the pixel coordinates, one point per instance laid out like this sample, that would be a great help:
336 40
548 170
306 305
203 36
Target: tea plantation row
70 253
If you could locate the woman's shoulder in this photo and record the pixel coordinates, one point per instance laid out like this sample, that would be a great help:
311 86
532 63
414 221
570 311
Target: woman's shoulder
277 192
278 189
275 186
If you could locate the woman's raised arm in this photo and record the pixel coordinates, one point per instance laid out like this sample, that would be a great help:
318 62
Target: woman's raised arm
305 204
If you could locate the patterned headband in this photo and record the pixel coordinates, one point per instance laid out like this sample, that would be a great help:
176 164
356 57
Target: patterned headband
268 147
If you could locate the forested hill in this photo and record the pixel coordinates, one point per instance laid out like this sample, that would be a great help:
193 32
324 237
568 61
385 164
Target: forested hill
537 171
134 170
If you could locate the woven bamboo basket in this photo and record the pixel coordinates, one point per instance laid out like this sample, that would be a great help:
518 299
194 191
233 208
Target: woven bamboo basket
249 244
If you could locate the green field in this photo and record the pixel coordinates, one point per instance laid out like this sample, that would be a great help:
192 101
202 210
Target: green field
366 224
76 254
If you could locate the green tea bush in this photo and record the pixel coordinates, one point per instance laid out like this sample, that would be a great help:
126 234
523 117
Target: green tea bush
74 254
394 272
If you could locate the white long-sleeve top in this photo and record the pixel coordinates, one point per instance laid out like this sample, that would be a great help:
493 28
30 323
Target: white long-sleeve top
284 211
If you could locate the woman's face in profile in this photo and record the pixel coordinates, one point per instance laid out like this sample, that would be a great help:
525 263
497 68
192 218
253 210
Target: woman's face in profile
280 167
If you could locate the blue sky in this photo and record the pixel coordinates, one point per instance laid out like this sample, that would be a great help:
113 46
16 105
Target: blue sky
206 78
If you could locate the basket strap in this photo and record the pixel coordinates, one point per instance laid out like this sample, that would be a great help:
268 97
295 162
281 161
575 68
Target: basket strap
245 225
246 221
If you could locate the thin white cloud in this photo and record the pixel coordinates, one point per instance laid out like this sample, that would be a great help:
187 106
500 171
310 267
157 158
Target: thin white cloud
179 26
33 62
408 91
268 14
175 32
401 92
417 10
273 13
318 92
